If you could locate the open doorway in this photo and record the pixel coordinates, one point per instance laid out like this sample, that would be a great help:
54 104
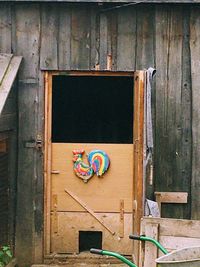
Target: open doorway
91 111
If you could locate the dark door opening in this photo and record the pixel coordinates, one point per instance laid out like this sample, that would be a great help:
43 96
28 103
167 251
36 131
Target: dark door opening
92 109
90 239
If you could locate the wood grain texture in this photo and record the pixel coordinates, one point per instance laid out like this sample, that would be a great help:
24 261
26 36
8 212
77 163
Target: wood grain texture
64 37
112 41
49 37
11 68
174 227
172 197
145 38
94 38
5 26
126 39
27 39
138 141
4 63
90 211
70 223
26 168
103 45
151 251
186 113
171 108
195 58
80 38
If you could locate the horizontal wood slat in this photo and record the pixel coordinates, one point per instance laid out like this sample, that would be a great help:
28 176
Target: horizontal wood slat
171 197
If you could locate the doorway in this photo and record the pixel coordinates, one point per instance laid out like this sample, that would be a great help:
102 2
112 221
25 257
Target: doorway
86 113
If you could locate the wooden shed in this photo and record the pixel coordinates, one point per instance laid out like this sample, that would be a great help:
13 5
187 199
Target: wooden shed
83 63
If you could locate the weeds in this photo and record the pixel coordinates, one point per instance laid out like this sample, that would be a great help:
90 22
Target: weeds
5 255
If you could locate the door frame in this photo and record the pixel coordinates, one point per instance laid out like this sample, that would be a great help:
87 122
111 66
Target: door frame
139 78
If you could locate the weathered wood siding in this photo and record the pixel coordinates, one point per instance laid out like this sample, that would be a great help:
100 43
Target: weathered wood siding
67 36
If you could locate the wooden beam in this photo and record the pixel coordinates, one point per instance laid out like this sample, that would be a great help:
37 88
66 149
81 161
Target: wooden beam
138 198
47 162
172 197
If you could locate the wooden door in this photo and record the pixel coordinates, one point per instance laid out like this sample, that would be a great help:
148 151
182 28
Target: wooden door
98 212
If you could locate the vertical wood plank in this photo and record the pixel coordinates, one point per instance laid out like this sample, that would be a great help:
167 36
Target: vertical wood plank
27 23
151 230
103 50
145 52
171 114
5 26
195 59
47 162
173 125
126 39
94 39
26 39
112 41
138 209
64 37
49 37
186 115
80 40
162 48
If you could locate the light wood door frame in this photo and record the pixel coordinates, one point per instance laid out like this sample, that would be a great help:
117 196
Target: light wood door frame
139 78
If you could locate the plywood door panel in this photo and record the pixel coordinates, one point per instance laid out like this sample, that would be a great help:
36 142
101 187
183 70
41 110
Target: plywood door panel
70 223
101 194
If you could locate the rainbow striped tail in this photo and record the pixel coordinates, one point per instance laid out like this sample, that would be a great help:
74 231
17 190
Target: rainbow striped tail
99 161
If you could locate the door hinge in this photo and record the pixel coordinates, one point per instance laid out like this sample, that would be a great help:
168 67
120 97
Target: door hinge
37 143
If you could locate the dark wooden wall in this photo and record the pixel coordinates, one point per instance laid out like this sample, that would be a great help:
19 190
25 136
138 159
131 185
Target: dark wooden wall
79 37
8 131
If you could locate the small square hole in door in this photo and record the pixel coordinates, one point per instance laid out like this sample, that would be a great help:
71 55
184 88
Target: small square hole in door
90 239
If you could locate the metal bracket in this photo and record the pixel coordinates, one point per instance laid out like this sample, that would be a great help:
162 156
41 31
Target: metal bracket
37 143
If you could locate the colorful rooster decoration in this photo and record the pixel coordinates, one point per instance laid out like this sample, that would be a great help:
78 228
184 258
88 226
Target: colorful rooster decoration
98 163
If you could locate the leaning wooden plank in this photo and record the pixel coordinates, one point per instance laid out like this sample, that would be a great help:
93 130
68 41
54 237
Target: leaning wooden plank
4 63
85 206
8 80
